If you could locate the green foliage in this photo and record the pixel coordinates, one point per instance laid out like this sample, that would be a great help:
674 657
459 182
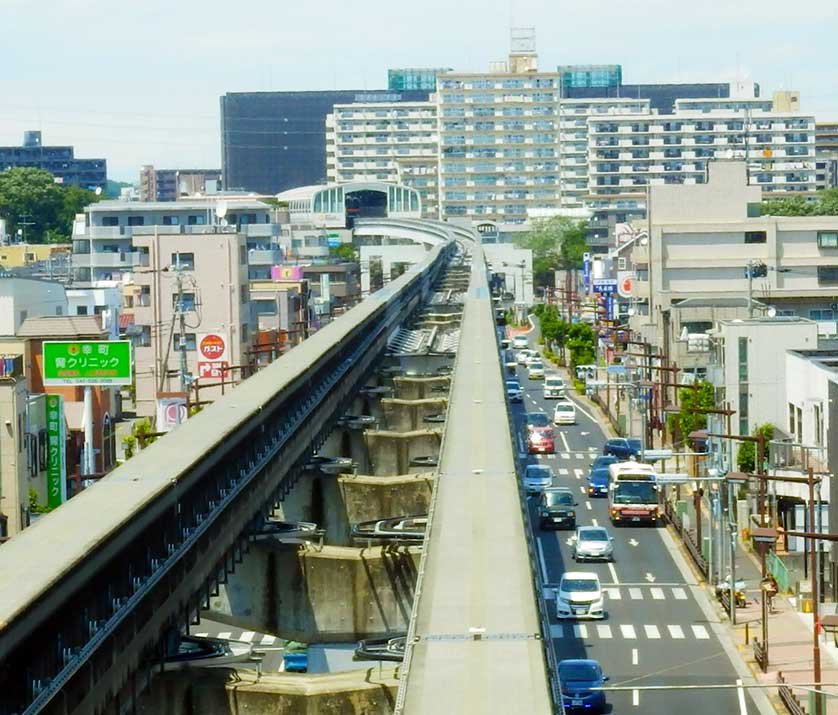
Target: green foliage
31 196
129 444
691 398
580 339
557 242
344 252
34 506
746 457
826 204
143 432
579 385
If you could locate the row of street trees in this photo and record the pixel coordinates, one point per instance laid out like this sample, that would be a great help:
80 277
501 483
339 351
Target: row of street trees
556 243
43 210
579 339
825 204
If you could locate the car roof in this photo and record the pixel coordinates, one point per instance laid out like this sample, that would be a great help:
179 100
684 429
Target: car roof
542 467
599 472
590 527
513 382
560 489
579 661
532 414
587 575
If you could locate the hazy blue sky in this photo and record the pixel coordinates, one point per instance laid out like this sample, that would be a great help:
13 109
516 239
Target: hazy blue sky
139 82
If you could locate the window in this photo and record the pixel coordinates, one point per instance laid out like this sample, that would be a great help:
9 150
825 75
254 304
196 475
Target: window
184 260
81 310
799 424
818 413
136 220
110 220
196 220
754 210
189 339
792 428
828 275
244 295
755 237
188 300
245 333
821 314
144 338
42 450
743 359
108 442
827 239
243 255
743 409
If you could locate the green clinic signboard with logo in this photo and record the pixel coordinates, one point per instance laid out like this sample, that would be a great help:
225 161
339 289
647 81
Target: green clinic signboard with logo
87 362
56 456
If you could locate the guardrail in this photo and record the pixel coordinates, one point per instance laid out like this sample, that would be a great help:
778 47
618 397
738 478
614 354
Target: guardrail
790 700
778 570
686 536
760 656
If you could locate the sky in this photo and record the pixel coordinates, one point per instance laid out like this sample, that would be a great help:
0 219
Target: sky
139 83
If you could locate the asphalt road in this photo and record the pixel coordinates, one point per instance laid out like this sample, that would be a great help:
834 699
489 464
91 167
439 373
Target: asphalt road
654 632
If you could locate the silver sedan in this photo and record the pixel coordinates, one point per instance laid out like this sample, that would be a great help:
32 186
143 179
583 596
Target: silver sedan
593 542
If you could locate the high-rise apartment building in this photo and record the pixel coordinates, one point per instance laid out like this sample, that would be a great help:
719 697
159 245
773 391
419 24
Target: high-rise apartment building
171 184
414 78
60 161
826 154
395 142
587 76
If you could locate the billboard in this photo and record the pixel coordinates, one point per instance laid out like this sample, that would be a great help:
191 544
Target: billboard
625 283
213 355
286 273
171 411
604 286
87 362
56 453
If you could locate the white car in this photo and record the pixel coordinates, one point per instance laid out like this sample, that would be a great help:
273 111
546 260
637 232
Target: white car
593 542
514 391
553 387
535 370
537 478
520 342
524 356
565 413
579 596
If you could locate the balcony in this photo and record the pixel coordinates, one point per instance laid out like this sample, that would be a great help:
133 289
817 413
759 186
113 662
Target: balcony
105 259
264 257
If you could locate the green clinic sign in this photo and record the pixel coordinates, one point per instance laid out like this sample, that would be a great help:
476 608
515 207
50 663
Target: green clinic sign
56 462
87 362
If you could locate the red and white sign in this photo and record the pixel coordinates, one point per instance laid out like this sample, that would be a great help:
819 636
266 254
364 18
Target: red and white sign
625 283
213 358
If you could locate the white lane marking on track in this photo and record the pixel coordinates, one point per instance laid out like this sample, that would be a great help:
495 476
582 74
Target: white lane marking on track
201 635
635 594
563 471
580 631
588 504
564 441
565 455
225 636
579 456
675 632
594 522
613 571
635 657
657 594
700 632
541 561
740 692
268 640
613 594
652 632
628 631
557 630
635 697
680 594
581 489
604 631
551 456
247 636
578 472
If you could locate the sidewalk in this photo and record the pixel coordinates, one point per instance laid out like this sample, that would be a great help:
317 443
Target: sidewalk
789 633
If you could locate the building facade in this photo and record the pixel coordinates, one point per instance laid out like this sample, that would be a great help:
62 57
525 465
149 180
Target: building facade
60 161
414 78
397 143
22 298
172 184
826 154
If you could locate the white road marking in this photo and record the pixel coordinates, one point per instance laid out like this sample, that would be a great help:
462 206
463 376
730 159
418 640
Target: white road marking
635 697
584 411
650 578
613 594
268 640
578 473
635 657
604 631
680 594
700 632
628 631
584 434
551 456
565 455
581 489
201 635
740 692
657 594
557 630
247 636
564 441
225 636
676 632
579 456
580 631
614 578
588 504
541 561
633 542
635 594
594 522
652 632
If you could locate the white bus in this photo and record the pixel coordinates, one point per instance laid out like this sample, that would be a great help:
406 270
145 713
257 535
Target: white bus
633 493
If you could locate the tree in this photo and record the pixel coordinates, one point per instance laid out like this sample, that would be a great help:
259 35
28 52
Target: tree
344 252
29 196
73 201
692 399
746 457
557 242
826 204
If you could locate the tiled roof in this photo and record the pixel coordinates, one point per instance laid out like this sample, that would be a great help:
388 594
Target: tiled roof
62 326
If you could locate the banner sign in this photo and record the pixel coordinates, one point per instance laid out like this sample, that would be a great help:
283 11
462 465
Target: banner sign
56 453
286 273
586 270
213 358
605 286
87 362
171 411
625 283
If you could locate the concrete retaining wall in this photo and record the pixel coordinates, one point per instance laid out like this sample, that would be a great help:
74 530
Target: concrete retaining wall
392 452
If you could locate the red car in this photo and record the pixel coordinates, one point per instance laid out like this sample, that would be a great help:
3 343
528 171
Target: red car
540 435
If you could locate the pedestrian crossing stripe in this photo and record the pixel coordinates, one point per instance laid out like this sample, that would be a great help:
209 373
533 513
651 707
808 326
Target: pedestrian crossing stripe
613 594
657 594
603 631
579 456
680 594
637 593
245 636
652 632
700 632
675 631
627 631
565 455
564 472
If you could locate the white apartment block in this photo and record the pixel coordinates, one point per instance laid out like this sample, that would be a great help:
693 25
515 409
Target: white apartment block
498 144
393 142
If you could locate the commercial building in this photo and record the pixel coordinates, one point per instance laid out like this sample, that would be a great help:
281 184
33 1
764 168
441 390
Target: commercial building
702 241
60 161
209 287
14 457
172 184
396 143
275 141
826 154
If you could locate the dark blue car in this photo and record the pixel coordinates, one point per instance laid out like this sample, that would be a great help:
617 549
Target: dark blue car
603 460
598 482
577 677
622 448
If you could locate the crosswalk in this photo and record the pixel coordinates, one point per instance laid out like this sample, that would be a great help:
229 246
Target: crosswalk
628 631
572 455
626 592
246 636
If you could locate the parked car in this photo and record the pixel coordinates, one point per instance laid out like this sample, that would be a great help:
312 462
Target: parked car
593 542
579 596
565 413
535 370
603 460
556 509
537 478
514 391
598 482
520 342
577 677
622 448
554 387
540 435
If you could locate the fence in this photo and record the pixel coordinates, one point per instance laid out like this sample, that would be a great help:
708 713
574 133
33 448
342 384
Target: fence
779 571
793 705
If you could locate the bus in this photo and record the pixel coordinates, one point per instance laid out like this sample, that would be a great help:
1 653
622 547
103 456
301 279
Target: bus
633 493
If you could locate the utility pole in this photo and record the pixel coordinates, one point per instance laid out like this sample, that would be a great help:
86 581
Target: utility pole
22 222
185 377
813 553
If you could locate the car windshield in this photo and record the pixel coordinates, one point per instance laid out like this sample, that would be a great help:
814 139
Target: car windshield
634 444
635 493
578 671
512 385
559 499
579 584
604 461
554 382
599 475
537 419
536 472
536 366
593 535
564 407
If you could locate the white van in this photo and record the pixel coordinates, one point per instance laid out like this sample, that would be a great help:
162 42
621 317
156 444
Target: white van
554 387
520 342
